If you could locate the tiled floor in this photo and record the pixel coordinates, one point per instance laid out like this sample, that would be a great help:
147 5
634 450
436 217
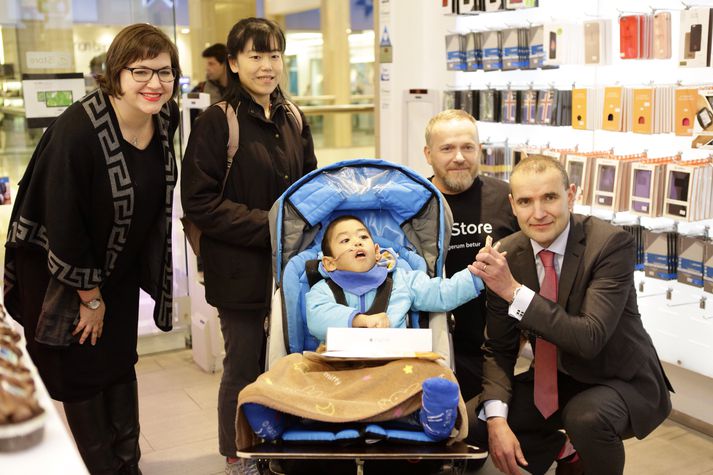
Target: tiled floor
179 427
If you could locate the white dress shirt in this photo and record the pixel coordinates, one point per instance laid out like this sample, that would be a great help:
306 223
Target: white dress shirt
494 407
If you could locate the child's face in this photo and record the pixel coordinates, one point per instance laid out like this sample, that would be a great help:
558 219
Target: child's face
352 248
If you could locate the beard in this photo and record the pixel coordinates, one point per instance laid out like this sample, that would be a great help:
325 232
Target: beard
458 182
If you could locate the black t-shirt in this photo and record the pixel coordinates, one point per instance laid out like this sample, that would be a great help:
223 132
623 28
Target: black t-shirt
482 210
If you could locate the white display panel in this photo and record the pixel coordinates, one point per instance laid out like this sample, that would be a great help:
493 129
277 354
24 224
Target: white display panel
419 106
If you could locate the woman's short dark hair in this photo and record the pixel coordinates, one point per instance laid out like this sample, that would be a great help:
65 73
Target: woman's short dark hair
134 43
266 36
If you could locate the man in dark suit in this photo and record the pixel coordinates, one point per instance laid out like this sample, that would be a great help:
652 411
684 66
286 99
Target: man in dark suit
595 372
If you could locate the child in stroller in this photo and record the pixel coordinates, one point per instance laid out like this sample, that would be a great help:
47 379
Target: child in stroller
364 288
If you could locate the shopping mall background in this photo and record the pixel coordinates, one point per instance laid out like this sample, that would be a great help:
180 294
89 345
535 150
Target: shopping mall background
64 36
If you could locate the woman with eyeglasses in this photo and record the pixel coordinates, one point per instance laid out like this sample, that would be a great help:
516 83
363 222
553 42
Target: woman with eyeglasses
90 227
275 150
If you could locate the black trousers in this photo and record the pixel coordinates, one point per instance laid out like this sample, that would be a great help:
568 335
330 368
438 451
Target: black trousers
244 337
595 418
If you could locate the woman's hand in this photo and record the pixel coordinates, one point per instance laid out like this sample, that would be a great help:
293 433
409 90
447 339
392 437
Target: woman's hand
91 322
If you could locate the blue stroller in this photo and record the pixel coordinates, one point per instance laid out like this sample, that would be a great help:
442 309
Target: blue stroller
406 213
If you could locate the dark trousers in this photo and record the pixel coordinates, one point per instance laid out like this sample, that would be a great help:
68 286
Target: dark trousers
244 336
595 418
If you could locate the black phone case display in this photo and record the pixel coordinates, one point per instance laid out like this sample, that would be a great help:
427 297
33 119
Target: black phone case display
528 106
468 7
489 105
494 5
466 100
509 110
695 37
551 107
637 231
554 107
475 7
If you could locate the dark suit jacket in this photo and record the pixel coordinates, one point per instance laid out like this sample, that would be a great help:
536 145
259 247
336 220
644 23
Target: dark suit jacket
595 323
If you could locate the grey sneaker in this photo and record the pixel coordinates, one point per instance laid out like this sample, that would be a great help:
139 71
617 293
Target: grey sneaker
242 467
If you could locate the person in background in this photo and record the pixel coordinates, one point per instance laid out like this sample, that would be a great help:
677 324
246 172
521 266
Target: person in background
216 72
567 283
91 226
480 208
276 149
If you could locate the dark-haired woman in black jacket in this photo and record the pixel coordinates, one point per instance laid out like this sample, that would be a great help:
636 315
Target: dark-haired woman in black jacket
275 150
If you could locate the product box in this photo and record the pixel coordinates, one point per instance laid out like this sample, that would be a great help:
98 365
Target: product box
474 51
695 41
660 256
708 267
455 52
690 260
536 46
492 51
378 342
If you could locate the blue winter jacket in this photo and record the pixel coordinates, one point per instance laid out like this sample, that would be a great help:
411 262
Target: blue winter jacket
411 290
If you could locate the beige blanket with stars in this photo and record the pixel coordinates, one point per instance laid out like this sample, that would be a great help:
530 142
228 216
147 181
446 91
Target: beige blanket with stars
313 387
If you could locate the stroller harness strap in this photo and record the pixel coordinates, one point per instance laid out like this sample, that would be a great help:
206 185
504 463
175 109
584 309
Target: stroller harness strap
381 300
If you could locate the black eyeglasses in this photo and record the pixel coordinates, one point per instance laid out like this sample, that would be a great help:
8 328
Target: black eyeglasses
146 74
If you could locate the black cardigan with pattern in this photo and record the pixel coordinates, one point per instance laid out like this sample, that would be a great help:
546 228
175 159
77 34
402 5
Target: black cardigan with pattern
75 202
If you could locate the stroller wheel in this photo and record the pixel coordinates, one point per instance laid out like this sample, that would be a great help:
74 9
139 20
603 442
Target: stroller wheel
454 467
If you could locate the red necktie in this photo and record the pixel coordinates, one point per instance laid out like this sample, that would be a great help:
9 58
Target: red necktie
545 352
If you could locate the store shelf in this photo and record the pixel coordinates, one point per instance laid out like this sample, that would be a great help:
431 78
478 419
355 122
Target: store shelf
682 331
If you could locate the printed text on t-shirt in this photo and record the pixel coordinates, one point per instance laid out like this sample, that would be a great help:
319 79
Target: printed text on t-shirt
459 229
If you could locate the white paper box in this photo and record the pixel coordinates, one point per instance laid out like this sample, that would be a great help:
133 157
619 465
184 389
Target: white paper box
378 342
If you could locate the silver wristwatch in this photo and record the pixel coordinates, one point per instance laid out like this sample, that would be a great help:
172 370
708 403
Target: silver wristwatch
92 304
